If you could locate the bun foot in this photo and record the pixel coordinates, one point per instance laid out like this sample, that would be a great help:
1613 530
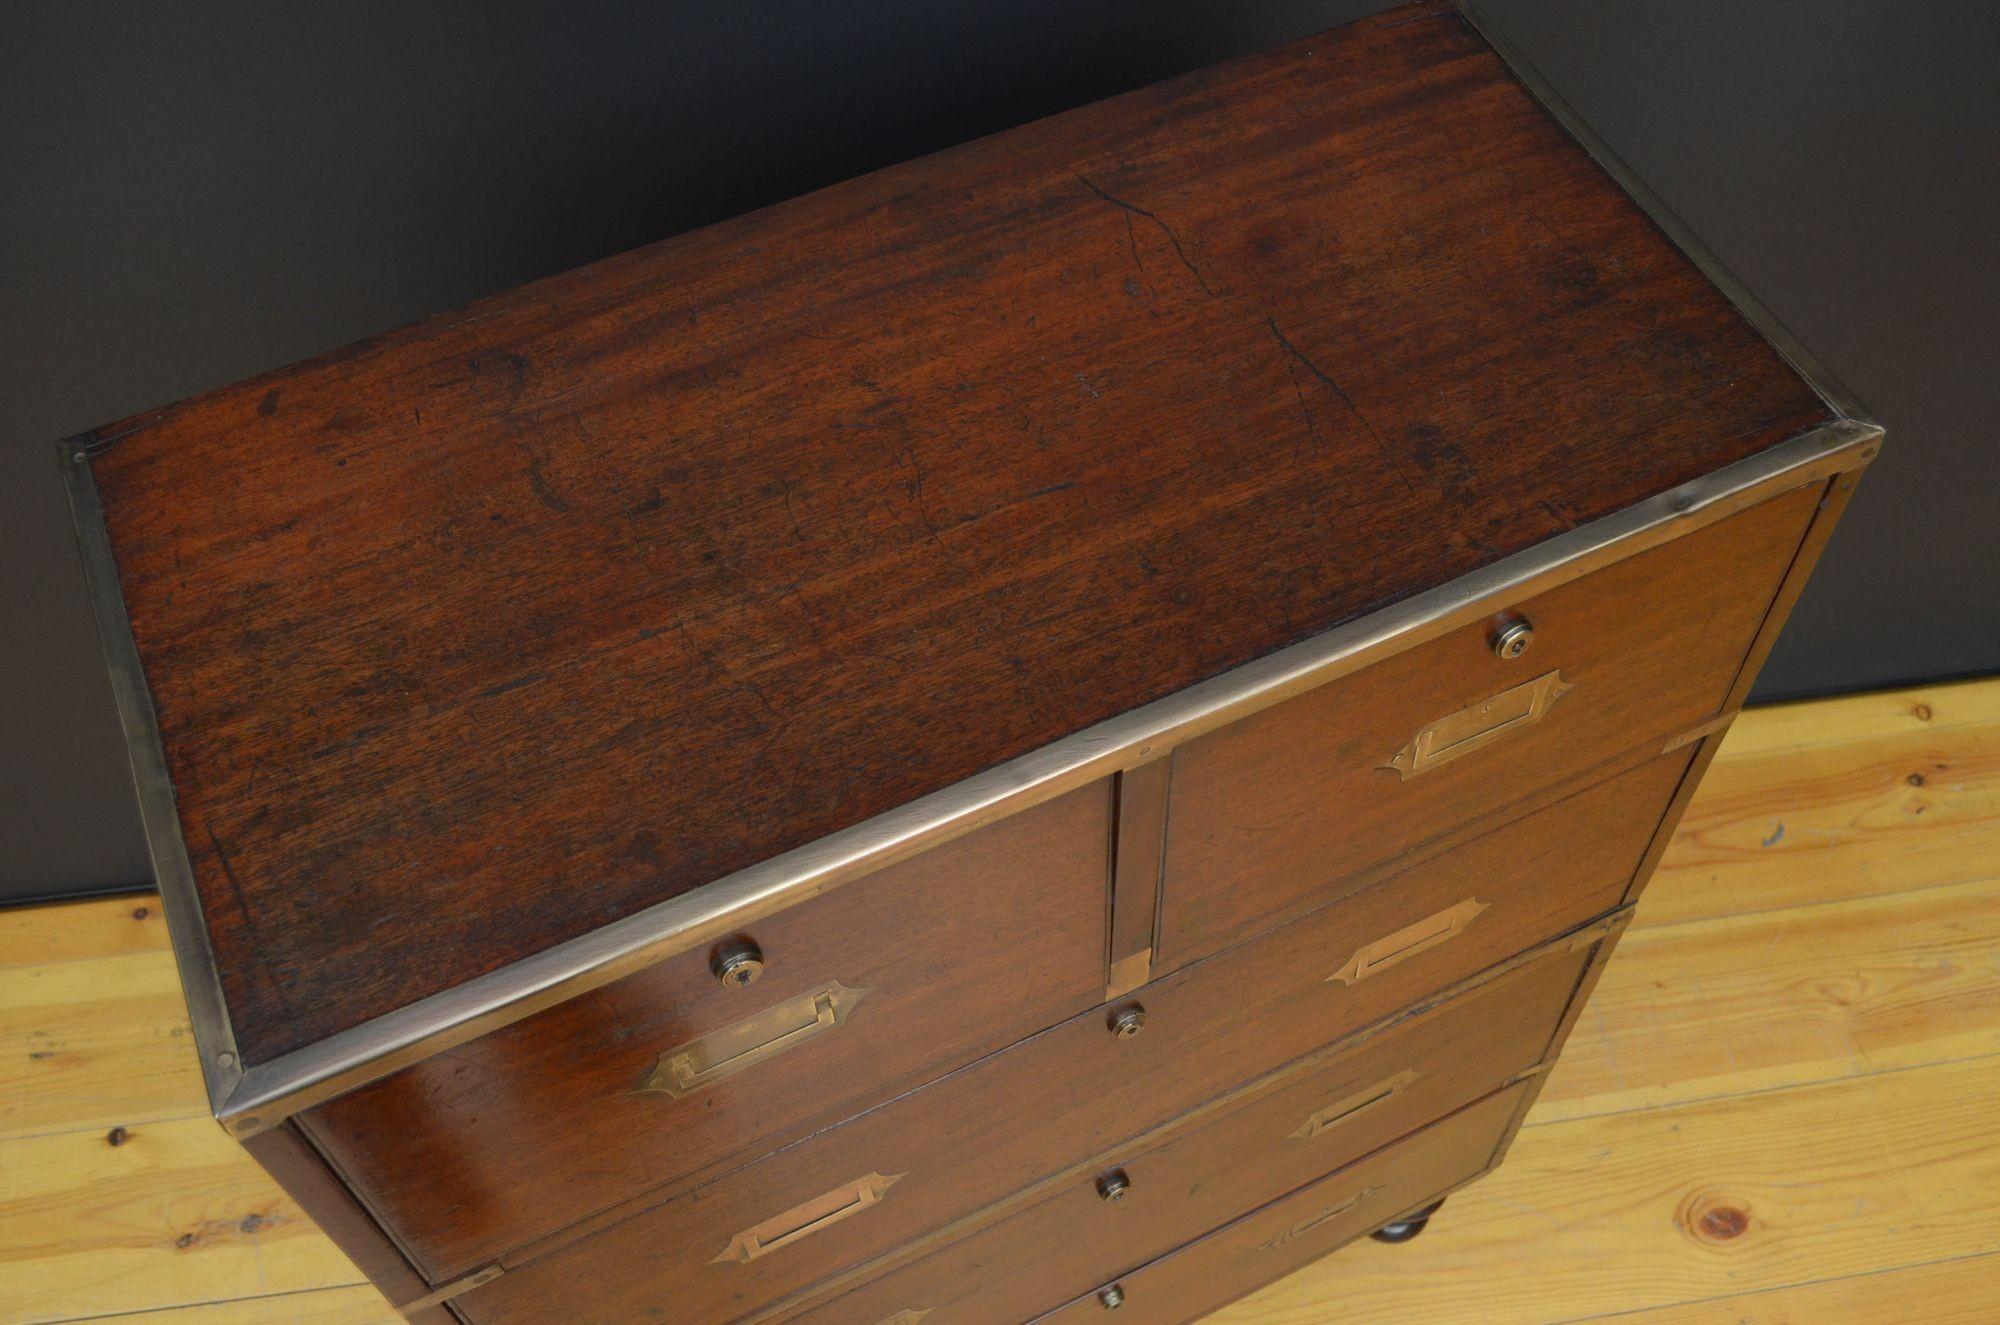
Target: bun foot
1405 1229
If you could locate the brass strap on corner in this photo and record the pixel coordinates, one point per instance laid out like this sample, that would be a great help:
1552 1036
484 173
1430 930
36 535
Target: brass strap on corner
1527 1074
457 1286
1720 722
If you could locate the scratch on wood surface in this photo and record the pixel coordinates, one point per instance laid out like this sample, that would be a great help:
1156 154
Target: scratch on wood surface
1165 229
1323 376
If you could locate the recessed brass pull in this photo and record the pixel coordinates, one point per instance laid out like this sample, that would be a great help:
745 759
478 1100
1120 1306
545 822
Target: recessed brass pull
1408 942
1479 724
1331 1212
732 1049
807 1218
1360 1102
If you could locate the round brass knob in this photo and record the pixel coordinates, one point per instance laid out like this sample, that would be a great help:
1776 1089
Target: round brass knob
1128 1022
737 964
1112 1297
1113 1185
1512 637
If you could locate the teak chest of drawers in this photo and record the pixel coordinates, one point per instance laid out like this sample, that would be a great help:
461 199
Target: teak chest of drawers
1061 727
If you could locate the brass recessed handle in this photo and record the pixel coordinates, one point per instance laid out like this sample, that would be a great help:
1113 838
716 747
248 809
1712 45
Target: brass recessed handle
1352 1106
1407 942
807 1218
737 963
1478 725
1128 1022
1512 636
764 1035
1325 1215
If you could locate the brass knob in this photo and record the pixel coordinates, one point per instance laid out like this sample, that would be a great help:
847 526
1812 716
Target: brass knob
1512 637
737 964
1112 1297
1113 1185
1128 1022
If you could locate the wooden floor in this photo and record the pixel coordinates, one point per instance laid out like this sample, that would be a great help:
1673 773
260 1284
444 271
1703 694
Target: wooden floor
1782 1106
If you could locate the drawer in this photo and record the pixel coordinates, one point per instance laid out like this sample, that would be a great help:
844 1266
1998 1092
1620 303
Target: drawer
1308 1224
1301 1123
669 1073
915 1166
1266 814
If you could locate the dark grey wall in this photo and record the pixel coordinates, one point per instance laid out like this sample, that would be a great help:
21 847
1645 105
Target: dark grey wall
198 192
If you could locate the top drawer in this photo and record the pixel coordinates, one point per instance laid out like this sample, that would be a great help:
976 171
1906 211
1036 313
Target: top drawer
879 986
1267 815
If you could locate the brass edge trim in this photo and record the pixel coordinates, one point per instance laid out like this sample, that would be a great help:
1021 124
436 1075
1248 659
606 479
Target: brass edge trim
452 1289
1754 311
271 1091
208 1013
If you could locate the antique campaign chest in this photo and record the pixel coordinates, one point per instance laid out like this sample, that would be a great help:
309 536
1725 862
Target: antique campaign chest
1062 727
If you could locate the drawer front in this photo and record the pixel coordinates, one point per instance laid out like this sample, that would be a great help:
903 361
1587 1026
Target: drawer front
1266 814
1303 1122
667 1074
1308 1224
914 1166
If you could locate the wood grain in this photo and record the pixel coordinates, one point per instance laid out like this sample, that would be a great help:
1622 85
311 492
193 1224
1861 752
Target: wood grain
306 1177
77 931
1201 1174
153 1215
963 951
1786 997
1695 1014
1793 1010
1074 1090
1953 1292
1647 646
486 632
356 1305
1850 719
95 1042
1890 801
1661 1206
1311 1221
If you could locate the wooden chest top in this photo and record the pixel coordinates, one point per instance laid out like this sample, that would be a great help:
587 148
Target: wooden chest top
474 637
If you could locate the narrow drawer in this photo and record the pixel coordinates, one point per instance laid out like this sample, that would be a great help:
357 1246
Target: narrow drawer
915 1166
1306 1225
670 1073
1269 814
1301 1123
